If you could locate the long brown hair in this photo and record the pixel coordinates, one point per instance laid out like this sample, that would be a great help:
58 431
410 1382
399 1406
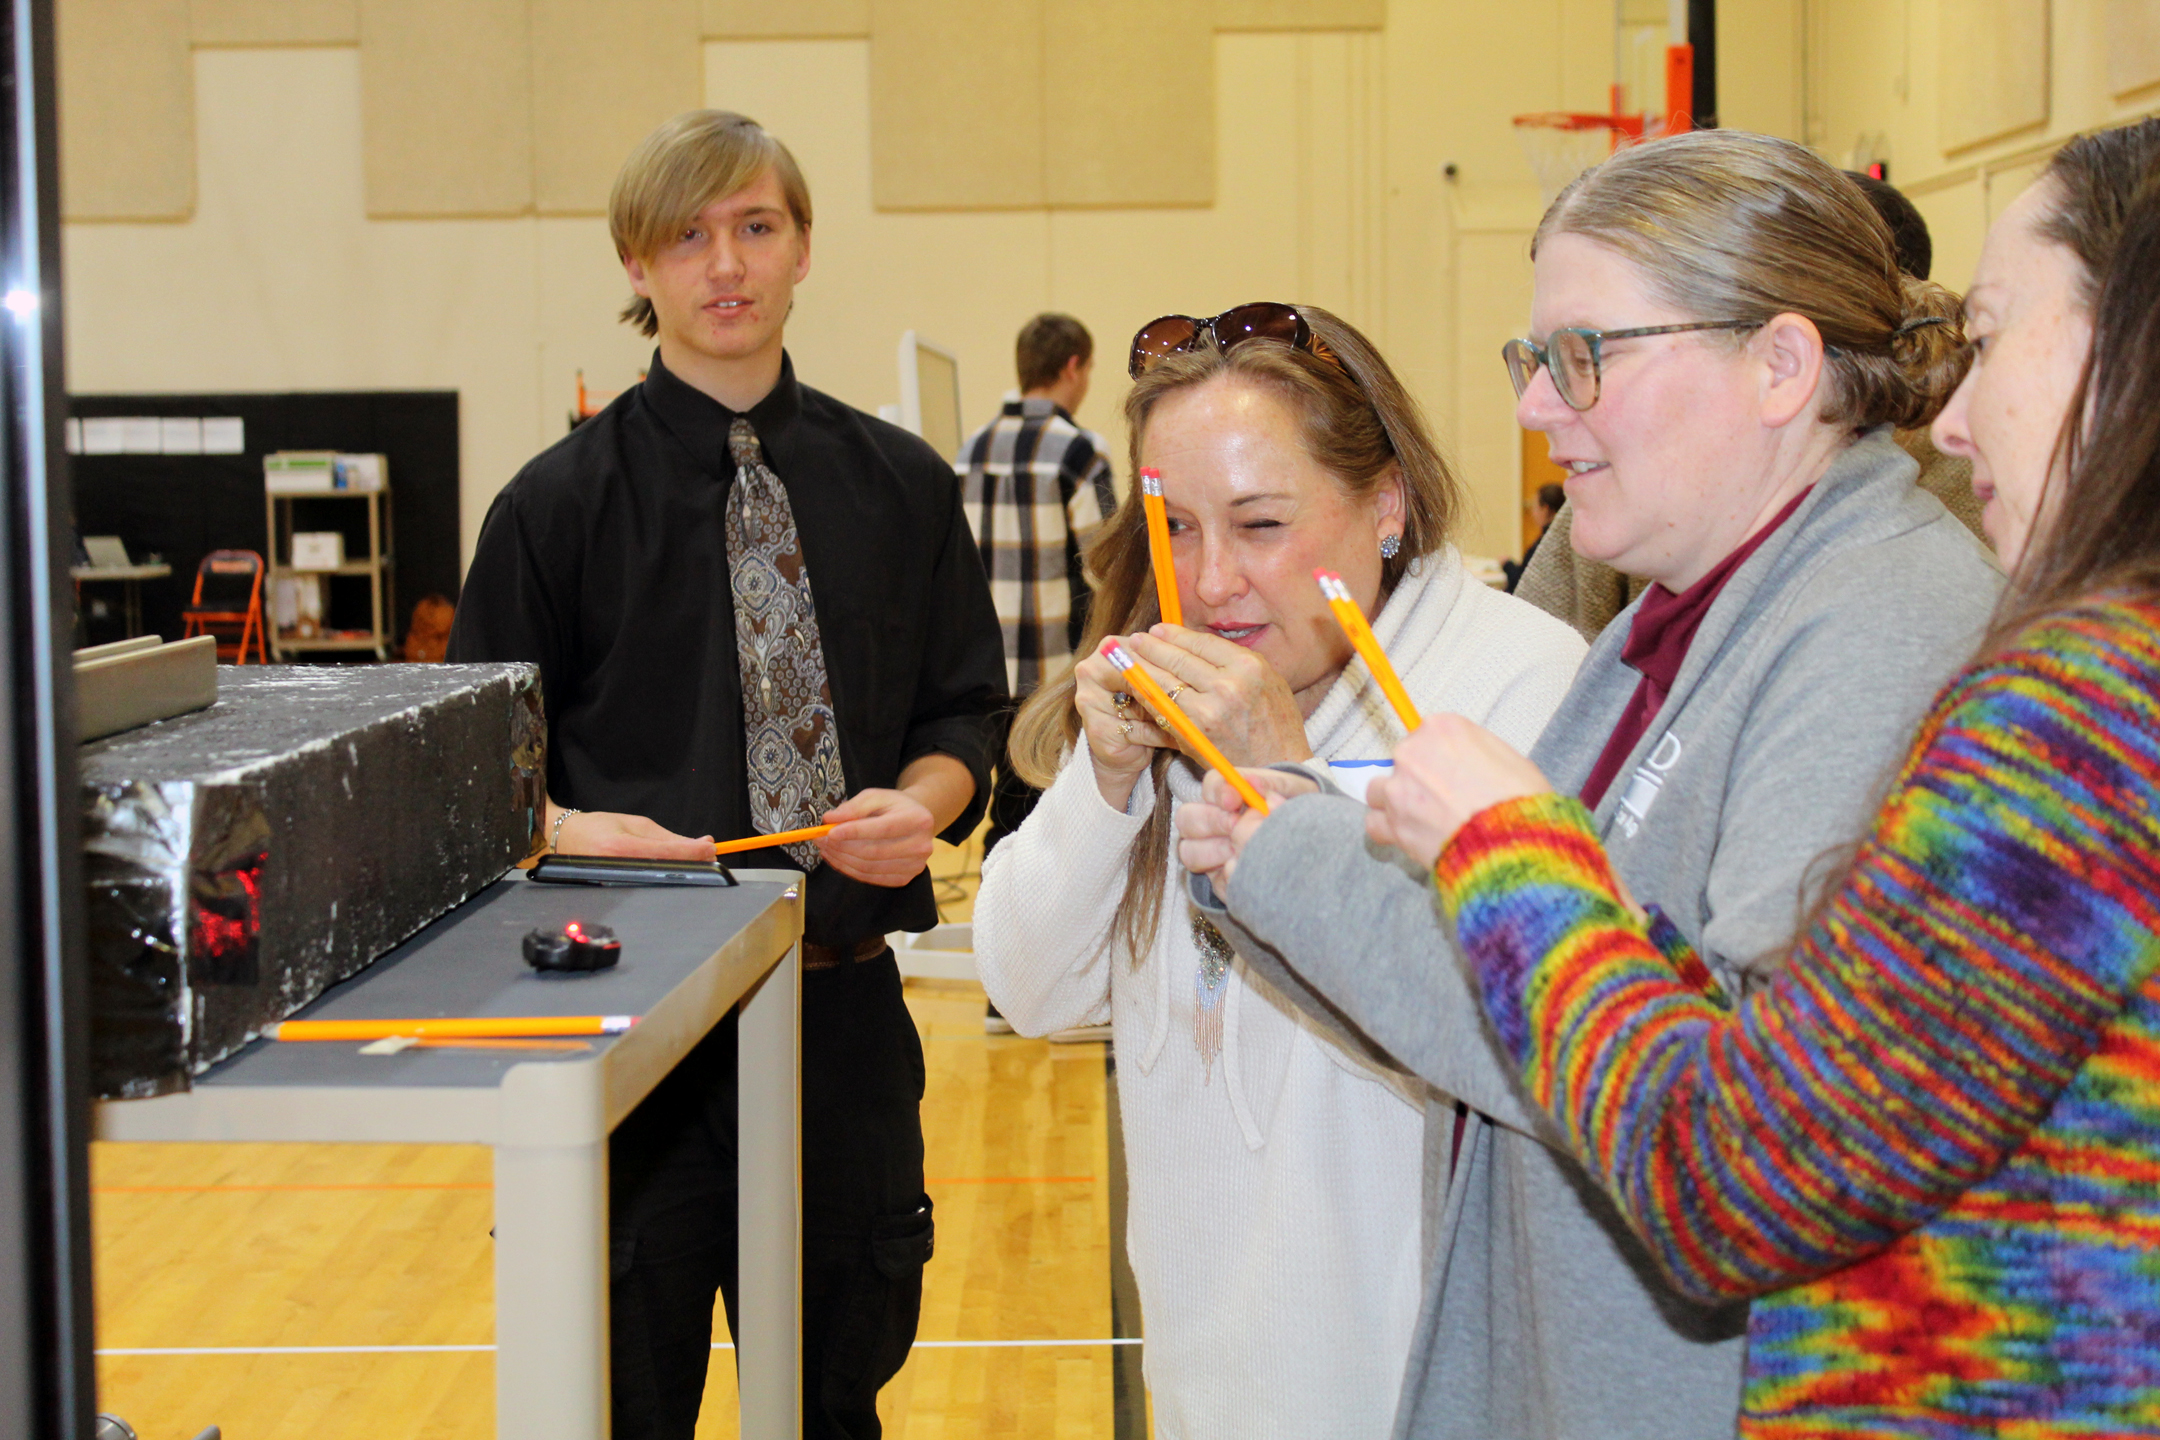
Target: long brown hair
1725 225
1358 423
2105 535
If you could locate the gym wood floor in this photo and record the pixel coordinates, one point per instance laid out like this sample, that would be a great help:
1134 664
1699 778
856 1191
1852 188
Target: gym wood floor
345 1292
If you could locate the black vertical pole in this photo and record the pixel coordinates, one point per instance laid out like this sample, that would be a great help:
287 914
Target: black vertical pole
47 1377
1702 36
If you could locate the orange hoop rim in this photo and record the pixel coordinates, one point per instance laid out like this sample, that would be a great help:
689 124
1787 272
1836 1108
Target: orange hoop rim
1629 125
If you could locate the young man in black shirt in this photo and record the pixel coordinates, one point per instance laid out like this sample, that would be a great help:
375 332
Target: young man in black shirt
754 609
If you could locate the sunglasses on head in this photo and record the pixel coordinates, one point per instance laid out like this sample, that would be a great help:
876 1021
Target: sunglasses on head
1261 320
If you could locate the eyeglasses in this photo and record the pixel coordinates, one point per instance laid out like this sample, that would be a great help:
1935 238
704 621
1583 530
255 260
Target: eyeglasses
1575 357
1261 320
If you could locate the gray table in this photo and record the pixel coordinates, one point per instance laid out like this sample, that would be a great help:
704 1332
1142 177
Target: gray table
690 956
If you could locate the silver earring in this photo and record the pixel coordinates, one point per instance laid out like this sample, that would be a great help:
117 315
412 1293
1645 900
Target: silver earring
1390 546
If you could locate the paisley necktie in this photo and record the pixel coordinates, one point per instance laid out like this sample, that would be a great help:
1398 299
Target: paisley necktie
791 740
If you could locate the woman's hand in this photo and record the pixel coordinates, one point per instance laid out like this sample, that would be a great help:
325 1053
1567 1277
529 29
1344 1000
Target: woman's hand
1238 700
602 832
1447 771
1122 738
1214 830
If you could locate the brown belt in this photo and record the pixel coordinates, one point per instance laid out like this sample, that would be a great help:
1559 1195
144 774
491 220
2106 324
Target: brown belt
827 957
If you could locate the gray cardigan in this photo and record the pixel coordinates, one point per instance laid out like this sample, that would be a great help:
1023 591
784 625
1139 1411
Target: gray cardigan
1543 1317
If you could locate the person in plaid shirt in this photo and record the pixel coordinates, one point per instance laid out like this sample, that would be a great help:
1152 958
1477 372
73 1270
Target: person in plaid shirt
1035 486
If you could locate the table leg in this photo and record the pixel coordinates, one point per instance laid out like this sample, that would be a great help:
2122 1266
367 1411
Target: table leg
131 597
551 1292
769 1182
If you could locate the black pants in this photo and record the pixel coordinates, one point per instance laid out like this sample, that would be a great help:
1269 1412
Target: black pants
1012 800
866 1220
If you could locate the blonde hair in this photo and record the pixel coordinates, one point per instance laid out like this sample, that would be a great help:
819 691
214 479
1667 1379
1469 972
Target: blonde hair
1725 225
685 165
1358 423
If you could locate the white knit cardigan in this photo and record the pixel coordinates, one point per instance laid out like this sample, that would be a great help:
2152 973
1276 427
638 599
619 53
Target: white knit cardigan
1275 1185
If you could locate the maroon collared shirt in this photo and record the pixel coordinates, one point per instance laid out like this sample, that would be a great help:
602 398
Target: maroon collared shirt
1657 645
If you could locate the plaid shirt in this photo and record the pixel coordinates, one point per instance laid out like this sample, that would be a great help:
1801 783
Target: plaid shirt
1035 485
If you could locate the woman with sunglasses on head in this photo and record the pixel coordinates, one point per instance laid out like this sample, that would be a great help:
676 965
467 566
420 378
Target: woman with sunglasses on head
1273 1172
1723 347
1929 1147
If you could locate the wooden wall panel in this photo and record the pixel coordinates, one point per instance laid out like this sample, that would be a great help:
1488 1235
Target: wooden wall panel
127 110
604 73
1300 14
2133 31
956 104
276 22
1129 104
446 107
786 19
1994 70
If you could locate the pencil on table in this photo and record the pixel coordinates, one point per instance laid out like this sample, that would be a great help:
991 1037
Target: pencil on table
1158 544
1352 620
759 842
1144 685
466 1028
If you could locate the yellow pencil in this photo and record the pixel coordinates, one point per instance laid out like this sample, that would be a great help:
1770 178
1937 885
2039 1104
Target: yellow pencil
1158 544
759 842
1352 620
1144 685
467 1028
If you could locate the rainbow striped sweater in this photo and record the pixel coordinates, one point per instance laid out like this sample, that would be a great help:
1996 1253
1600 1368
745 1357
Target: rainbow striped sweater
1931 1146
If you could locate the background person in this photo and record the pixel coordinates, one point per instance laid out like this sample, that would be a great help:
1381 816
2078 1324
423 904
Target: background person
1274 1173
1807 603
753 609
1934 1136
1036 487
1550 499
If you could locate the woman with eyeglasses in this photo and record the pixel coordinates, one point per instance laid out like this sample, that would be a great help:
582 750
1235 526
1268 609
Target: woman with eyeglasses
1274 1171
1929 1147
1721 346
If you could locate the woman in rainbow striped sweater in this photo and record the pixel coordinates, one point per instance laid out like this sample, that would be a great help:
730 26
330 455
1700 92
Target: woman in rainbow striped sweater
1930 1147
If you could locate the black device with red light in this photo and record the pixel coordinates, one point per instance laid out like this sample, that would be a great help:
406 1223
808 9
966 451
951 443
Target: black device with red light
575 949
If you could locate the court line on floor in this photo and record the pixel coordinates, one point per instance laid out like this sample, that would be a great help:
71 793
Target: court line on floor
173 1351
258 1189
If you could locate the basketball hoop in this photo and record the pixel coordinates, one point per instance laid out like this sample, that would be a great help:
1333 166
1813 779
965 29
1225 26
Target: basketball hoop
1561 144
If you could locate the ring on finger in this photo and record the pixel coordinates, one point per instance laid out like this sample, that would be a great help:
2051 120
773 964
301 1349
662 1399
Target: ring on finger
1120 699
1124 731
1177 690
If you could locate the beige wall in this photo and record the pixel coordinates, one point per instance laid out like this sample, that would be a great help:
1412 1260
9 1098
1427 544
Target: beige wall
1900 82
1329 147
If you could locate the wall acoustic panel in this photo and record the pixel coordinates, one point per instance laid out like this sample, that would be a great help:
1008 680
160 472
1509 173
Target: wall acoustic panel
2133 45
1128 104
787 19
127 110
604 73
446 107
1994 70
956 104
1300 14
277 22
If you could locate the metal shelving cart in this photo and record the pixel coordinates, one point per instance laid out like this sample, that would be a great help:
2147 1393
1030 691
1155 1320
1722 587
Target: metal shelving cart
293 477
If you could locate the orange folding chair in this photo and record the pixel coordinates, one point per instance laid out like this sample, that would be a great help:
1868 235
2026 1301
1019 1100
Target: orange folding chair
230 573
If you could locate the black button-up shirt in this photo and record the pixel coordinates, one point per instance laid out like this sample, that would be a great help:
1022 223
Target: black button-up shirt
605 563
